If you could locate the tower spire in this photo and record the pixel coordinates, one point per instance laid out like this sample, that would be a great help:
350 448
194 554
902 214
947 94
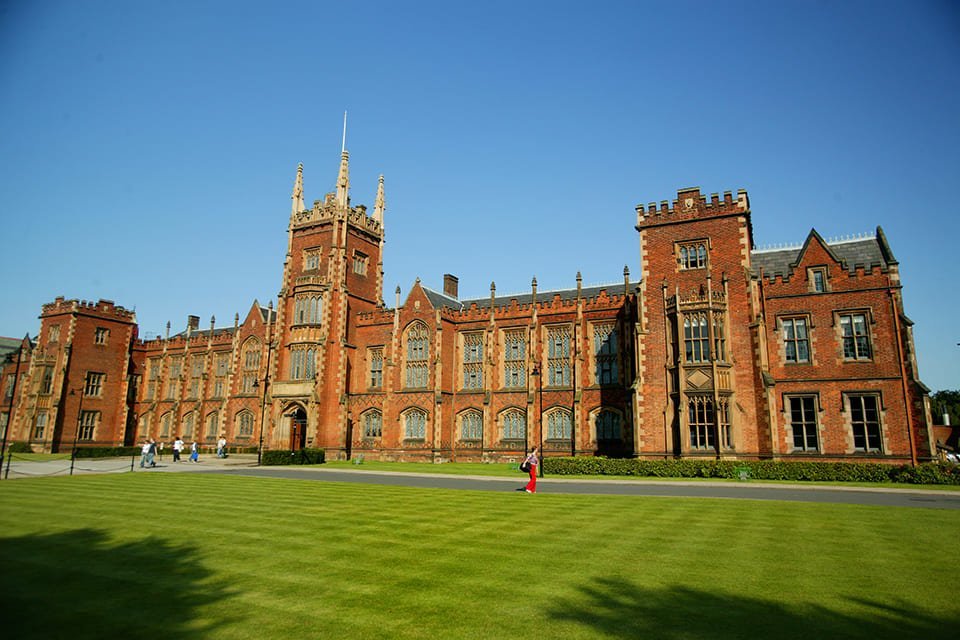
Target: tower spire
380 205
297 205
343 180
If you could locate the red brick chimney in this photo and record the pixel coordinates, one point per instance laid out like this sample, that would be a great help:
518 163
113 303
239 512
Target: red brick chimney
451 285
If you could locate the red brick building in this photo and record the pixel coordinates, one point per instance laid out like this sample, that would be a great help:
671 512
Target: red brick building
719 350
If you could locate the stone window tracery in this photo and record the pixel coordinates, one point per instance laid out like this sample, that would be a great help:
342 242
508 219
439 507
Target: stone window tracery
607 424
471 426
559 424
514 424
473 360
415 424
307 309
696 338
692 255
558 356
514 359
700 420
605 353
418 354
372 424
302 363
376 367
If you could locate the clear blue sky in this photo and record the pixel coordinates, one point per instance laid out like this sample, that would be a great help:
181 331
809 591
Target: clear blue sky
148 149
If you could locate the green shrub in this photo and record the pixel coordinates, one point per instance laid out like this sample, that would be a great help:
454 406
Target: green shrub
286 456
19 447
927 473
106 452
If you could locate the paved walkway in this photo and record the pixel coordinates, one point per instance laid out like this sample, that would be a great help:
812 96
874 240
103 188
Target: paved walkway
246 465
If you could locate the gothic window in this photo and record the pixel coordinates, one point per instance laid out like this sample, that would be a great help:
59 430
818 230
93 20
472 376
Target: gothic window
196 370
514 424
302 363
865 422
696 338
55 333
46 382
372 424
418 355
11 380
39 425
605 352
311 259
558 356
100 335
213 424
251 365
187 425
719 338
473 360
856 338
165 420
415 424
93 384
307 309
559 424
608 426
693 255
701 423
221 367
174 378
795 341
514 359
471 425
154 377
375 357
723 423
244 424
803 422
88 424
360 261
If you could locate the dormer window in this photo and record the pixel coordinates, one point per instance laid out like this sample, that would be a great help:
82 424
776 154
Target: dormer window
818 280
692 255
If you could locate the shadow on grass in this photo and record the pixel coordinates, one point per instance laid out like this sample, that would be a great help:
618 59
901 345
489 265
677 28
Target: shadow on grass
80 584
621 609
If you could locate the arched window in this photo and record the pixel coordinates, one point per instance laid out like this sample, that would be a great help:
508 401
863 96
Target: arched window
514 424
372 424
559 424
471 425
608 426
605 353
186 424
696 338
165 421
415 424
244 422
251 364
307 308
213 424
418 356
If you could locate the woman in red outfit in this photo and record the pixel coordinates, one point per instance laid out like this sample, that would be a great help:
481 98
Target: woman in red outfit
533 462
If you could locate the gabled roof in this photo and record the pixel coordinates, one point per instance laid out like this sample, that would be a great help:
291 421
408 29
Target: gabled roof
863 252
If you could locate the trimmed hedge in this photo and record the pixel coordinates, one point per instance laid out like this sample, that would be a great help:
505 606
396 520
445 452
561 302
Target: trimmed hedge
927 473
19 447
106 452
286 456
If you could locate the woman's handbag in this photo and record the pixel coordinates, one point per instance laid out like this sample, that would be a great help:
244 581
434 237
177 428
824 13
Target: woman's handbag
525 466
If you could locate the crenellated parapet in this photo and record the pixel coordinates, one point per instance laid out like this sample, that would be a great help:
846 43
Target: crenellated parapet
691 204
102 308
329 210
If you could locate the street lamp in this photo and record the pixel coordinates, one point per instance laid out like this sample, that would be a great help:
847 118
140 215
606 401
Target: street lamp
263 405
76 431
536 372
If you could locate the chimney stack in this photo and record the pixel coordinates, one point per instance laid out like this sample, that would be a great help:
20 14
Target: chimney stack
193 323
451 286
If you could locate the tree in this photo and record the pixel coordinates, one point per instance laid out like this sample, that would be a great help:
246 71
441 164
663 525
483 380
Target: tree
945 402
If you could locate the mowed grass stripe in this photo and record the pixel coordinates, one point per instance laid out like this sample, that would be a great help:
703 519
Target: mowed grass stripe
252 557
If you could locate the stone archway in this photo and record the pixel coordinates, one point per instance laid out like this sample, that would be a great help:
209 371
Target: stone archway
298 429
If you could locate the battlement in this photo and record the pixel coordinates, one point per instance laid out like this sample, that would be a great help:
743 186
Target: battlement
103 308
328 211
690 204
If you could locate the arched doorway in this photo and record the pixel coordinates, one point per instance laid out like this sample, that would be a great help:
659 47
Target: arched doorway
298 429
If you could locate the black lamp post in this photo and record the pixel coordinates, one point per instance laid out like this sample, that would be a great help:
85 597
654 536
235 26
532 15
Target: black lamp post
263 405
536 372
76 431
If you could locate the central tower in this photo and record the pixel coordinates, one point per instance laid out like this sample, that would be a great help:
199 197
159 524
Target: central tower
333 269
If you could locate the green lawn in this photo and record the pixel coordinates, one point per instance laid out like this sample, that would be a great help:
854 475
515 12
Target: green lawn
206 556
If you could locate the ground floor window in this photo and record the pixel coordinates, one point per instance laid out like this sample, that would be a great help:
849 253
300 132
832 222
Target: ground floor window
608 426
372 424
415 425
701 423
471 426
865 421
803 422
88 424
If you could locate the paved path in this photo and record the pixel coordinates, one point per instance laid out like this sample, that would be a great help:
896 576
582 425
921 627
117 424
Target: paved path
931 499
245 464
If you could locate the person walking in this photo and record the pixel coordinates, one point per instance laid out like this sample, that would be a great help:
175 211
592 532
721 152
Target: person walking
177 448
194 452
144 454
151 453
533 462
222 447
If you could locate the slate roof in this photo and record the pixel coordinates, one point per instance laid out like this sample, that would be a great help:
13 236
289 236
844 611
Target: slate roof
439 300
9 346
863 253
